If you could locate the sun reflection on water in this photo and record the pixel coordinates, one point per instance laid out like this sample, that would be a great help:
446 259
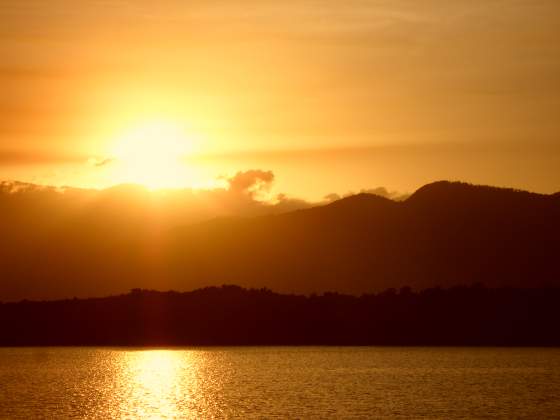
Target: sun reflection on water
159 383
317 382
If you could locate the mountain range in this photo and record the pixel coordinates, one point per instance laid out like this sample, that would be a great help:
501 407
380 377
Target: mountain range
446 233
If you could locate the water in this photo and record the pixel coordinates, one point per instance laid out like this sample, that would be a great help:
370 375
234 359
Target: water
335 382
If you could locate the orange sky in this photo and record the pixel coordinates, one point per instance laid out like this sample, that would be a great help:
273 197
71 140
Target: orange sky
331 96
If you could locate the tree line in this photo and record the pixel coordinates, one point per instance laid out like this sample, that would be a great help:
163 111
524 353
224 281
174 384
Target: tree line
231 315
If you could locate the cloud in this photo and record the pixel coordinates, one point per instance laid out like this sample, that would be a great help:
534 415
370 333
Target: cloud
99 162
285 204
252 182
380 191
332 197
383 192
17 187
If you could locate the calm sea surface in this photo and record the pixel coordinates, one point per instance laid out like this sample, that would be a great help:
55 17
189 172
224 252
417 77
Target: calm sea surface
336 382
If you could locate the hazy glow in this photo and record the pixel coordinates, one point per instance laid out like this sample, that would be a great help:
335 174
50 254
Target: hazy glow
392 93
153 154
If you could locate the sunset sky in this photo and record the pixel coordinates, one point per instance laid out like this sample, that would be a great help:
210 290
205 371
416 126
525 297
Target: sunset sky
331 96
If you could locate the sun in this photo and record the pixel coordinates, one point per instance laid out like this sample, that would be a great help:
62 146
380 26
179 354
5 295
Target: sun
153 154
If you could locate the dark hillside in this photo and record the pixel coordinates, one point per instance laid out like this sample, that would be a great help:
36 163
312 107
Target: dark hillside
444 234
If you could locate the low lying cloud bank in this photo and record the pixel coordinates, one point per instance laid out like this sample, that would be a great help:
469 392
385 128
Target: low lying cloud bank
247 193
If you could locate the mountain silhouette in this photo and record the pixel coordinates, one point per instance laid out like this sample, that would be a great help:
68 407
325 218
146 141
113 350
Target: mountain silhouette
446 233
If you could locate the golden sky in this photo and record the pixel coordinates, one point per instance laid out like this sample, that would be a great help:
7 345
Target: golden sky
331 96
